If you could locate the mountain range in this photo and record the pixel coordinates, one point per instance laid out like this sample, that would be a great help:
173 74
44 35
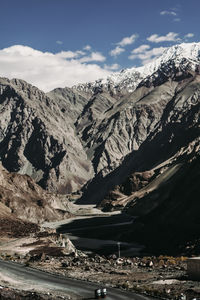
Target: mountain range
117 142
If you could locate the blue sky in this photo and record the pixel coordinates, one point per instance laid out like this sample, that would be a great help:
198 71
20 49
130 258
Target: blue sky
62 42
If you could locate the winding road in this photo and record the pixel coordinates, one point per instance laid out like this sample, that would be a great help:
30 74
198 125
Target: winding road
39 279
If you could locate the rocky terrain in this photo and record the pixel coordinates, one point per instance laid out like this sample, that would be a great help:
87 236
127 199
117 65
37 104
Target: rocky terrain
23 198
23 207
149 130
100 133
130 142
163 277
127 142
37 138
8 293
169 211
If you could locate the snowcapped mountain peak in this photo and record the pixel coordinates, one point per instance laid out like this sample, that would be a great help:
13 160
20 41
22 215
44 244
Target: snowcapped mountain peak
189 51
184 50
129 79
178 54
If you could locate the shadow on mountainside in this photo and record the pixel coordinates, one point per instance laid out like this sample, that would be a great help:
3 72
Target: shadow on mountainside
158 148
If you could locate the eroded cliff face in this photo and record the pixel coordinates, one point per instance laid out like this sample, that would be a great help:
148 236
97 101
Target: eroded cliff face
37 138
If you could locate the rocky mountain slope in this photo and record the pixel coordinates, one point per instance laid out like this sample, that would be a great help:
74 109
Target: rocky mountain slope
94 136
168 211
23 207
37 138
21 197
141 129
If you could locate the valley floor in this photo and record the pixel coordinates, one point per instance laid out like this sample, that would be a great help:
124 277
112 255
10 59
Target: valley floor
164 276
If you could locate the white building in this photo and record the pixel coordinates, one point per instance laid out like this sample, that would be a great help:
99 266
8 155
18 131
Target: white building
193 268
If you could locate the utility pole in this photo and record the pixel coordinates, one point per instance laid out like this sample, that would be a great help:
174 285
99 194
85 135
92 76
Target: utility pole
118 244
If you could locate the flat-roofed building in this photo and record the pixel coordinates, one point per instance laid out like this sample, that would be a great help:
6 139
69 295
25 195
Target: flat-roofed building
193 268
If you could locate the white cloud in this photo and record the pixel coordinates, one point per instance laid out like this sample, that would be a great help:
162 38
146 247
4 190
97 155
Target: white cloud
69 54
22 51
112 67
146 55
80 52
168 12
128 40
189 35
59 42
87 48
118 50
170 37
94 56
140 49
177 20
124 42
174 12
47 70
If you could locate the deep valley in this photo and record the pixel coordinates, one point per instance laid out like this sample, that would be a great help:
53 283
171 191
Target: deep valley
100 182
